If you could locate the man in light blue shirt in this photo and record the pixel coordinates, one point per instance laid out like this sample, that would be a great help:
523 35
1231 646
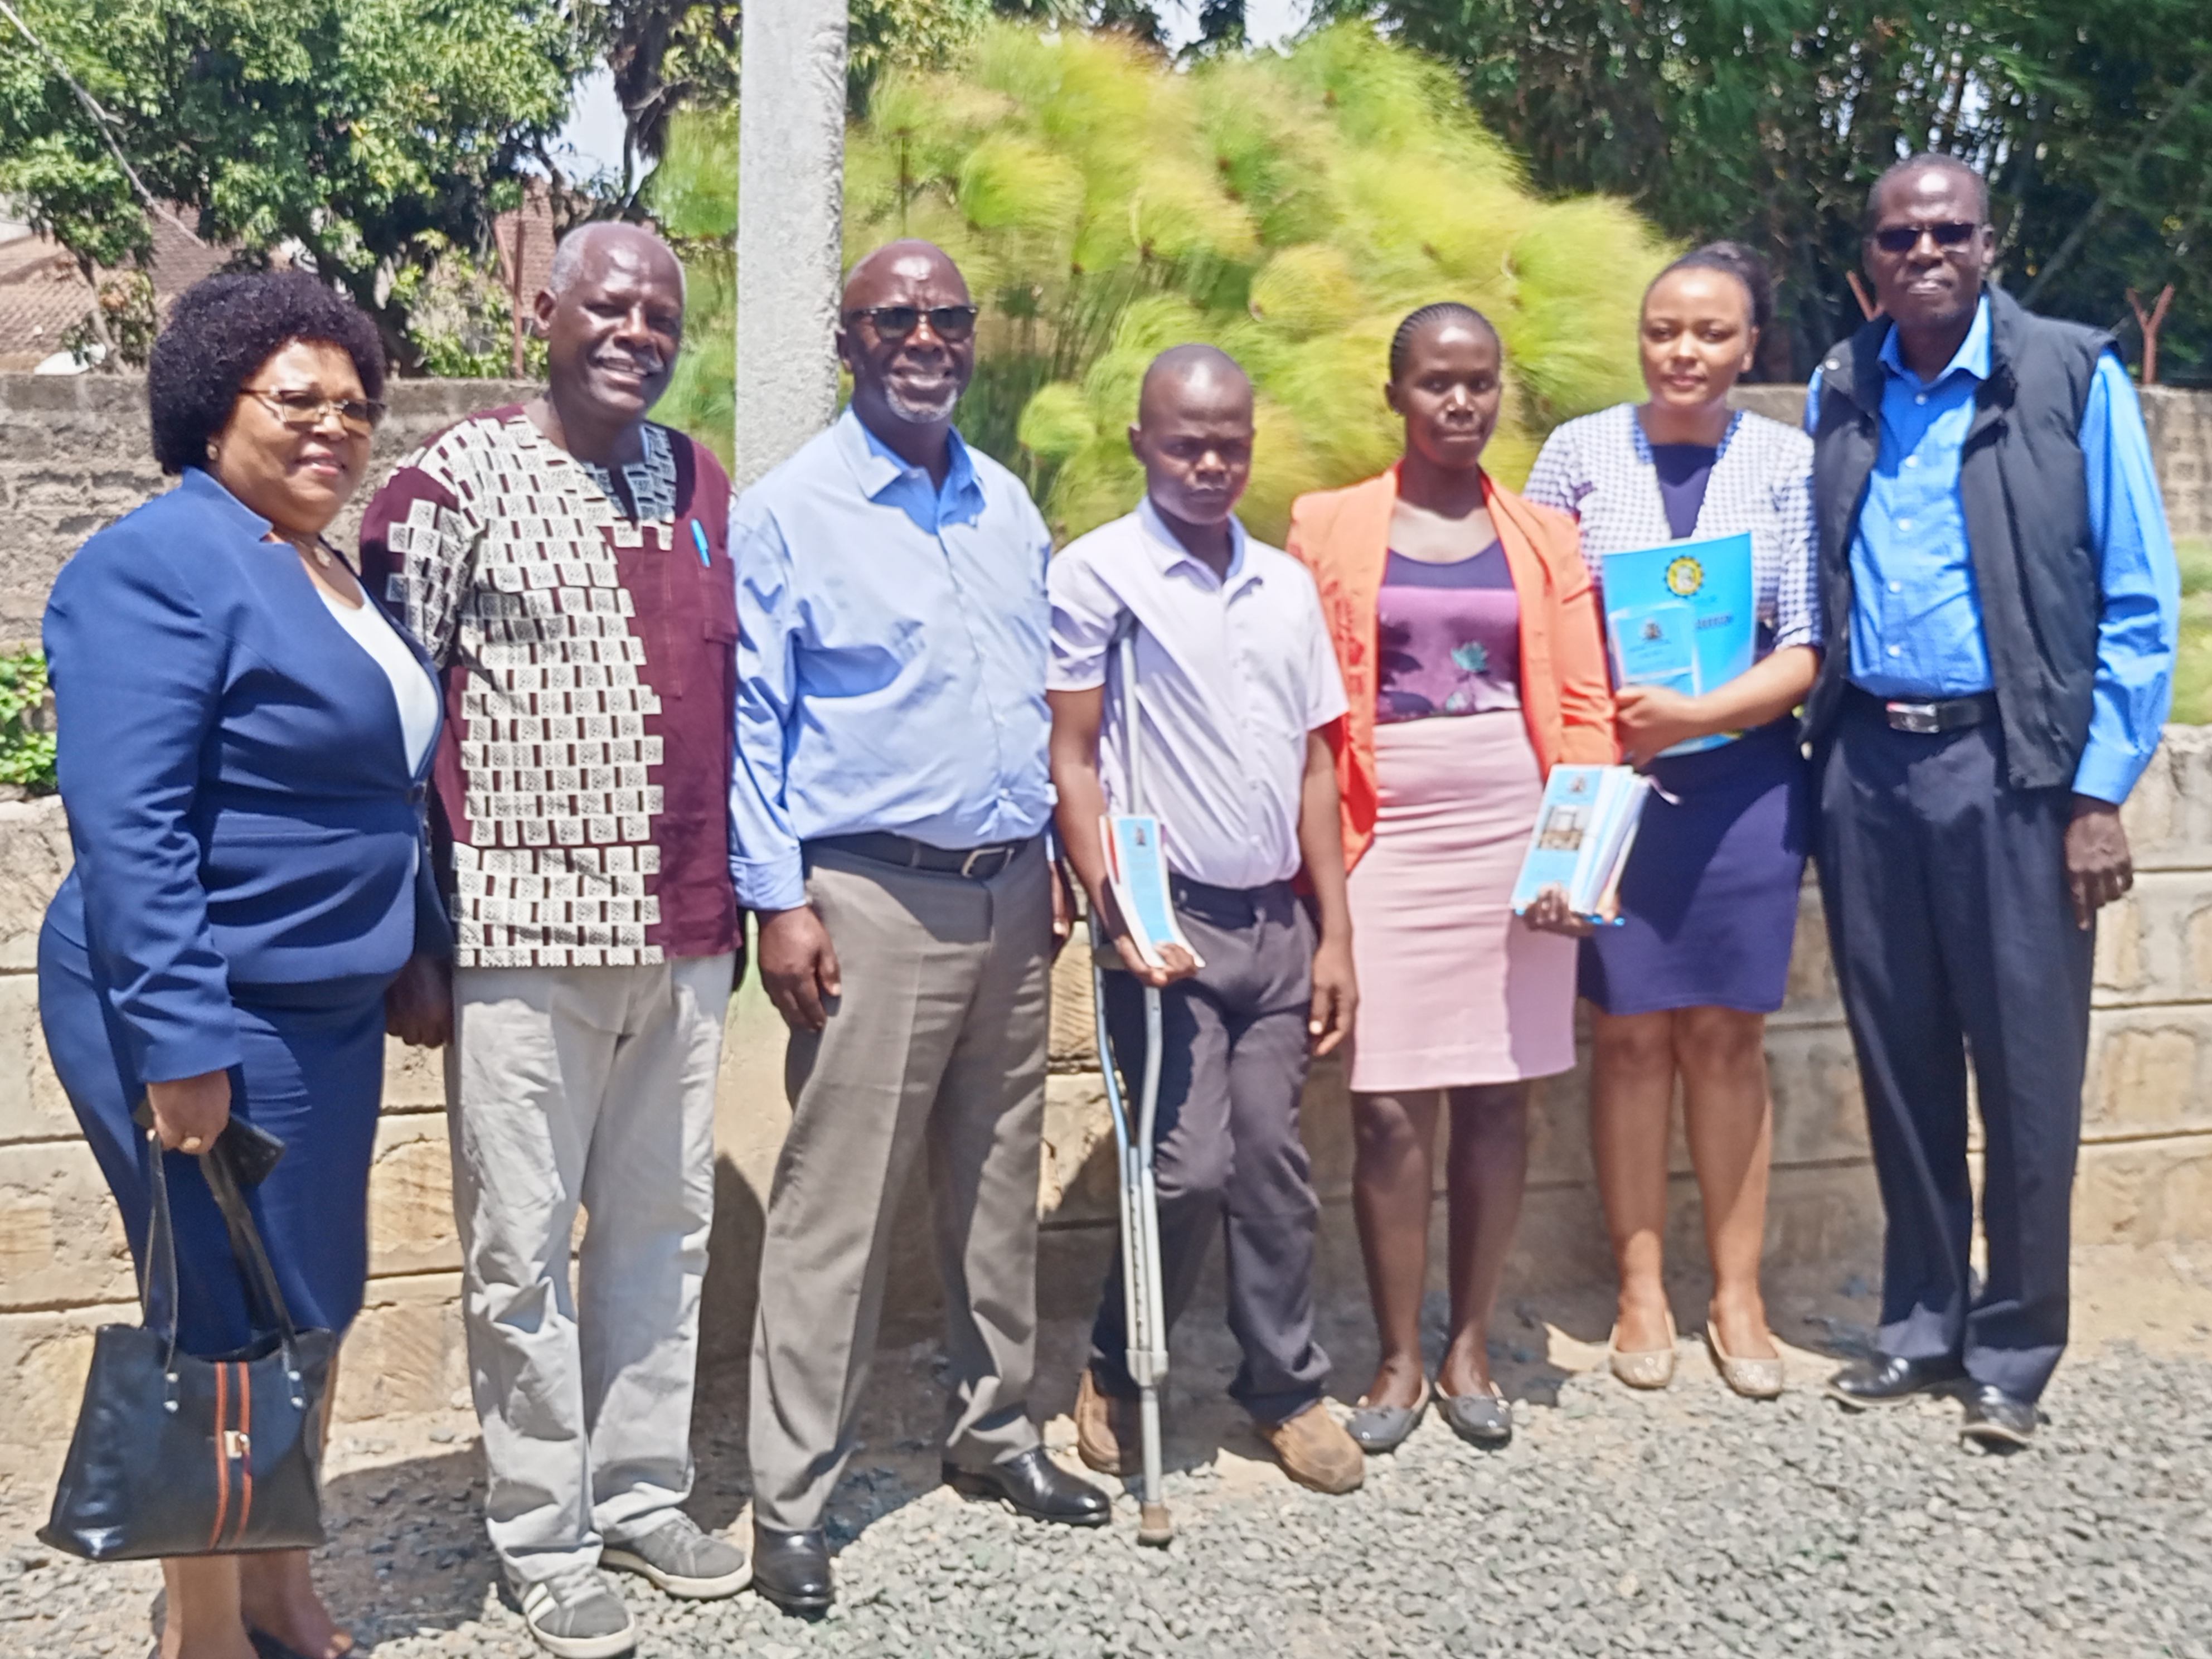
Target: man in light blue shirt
890 797
1990 524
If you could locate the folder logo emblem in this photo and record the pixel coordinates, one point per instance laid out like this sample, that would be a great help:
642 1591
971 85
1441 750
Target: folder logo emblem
1684 577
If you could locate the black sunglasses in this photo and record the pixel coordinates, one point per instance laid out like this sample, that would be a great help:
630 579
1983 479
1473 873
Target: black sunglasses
954 323
1902 239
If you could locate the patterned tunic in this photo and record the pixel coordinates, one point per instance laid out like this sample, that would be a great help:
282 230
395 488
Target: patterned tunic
582 783
1599 468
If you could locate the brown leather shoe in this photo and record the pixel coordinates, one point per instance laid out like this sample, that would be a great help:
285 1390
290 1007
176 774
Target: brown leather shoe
1106 1430
1315 1452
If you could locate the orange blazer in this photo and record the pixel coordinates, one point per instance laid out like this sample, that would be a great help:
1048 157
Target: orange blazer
1566 696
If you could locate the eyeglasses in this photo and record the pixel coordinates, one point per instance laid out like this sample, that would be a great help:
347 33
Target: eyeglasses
303 411
953 323
1902 239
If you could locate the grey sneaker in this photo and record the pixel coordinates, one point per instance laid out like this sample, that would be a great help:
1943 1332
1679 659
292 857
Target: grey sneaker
577 1615
679 1559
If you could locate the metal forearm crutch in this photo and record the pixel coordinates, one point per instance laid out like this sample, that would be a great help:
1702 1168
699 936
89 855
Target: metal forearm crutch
1145 1313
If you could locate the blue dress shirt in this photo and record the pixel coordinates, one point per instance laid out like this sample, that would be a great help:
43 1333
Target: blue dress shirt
892 641
1916 624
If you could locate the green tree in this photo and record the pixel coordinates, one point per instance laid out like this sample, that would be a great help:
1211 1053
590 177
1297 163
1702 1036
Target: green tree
364 136
1768 120
1288 208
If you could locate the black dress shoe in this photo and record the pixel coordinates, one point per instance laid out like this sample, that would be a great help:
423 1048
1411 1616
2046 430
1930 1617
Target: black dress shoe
1884 1379
791 1569
1033 1485
1997 1419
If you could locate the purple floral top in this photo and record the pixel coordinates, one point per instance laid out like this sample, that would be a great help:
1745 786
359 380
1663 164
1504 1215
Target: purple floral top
1447 638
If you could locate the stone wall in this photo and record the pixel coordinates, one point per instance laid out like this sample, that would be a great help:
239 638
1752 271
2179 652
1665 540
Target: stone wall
75 455
71 457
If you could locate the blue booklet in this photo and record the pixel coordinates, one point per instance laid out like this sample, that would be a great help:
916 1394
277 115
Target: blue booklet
1683 616
1585 829
1137 868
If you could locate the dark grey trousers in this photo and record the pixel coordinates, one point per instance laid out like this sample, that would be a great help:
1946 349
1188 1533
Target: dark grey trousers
1233 1066
1953 934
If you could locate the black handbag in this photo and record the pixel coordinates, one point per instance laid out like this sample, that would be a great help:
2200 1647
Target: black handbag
175 1455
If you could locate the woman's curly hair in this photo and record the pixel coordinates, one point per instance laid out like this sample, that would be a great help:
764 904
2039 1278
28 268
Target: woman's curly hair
221 332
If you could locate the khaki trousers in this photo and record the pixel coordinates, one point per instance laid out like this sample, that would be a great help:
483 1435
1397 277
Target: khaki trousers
936 1044
591 1086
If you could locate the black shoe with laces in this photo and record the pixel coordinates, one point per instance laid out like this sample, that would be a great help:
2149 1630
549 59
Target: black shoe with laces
1887 1379
792 1570
1997 1419
1031 1484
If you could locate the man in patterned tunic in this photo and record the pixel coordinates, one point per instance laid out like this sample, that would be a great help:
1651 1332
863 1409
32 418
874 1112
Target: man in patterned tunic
566 562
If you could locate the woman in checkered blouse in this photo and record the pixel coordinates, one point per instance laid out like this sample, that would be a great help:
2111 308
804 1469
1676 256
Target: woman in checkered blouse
1709 900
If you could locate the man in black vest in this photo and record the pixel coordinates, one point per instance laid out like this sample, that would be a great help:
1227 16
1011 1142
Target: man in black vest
1994 552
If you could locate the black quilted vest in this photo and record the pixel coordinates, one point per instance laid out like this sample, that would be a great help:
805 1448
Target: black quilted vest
2026 498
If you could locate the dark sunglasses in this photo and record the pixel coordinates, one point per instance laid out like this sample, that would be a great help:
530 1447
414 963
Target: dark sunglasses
954 323
1902 239
303 411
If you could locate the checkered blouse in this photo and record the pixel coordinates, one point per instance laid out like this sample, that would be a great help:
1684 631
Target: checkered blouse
1599 468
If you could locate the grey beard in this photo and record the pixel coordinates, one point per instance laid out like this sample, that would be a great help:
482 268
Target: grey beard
920 414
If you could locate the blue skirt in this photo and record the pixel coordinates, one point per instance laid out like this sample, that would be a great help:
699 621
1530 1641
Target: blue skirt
313 1075
1709 900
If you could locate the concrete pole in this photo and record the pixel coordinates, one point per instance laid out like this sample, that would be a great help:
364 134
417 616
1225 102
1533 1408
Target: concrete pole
791 166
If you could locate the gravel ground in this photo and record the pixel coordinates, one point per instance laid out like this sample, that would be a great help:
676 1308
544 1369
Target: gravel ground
1685 1523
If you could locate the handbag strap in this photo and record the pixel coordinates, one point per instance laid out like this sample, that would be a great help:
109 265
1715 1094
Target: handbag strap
245 1238
158 1293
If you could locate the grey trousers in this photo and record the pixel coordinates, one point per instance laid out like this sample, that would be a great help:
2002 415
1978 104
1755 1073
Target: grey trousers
591 1087
1227 1148
936 1044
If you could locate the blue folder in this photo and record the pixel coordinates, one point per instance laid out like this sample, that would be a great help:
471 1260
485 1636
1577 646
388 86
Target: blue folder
1683 616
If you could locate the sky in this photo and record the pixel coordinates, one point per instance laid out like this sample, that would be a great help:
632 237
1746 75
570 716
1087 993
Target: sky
593 134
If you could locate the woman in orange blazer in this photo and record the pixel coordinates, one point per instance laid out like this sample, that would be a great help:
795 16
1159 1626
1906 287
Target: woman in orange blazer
1467 635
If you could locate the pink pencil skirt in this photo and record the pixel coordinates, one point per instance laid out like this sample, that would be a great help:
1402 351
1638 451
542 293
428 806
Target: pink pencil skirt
1454 988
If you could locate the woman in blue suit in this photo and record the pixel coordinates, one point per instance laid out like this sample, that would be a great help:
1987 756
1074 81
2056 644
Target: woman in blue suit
244 738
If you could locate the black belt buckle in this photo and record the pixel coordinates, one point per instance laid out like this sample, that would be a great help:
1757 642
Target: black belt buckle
1924 718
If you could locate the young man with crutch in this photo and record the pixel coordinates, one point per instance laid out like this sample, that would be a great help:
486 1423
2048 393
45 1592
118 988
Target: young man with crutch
1236 681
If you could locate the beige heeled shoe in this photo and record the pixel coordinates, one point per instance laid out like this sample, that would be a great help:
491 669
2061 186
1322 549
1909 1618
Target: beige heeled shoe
1754 1379
1646 1367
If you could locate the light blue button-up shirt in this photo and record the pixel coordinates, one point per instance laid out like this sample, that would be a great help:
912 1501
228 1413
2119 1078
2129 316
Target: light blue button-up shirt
892 640
1916 624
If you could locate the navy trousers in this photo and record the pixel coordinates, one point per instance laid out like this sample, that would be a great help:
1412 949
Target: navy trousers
1233 1059
1952 937
313 1075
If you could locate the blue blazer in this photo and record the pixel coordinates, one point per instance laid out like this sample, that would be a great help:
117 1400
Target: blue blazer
235 778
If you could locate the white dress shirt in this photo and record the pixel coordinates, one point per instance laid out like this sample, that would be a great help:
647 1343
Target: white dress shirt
1232 674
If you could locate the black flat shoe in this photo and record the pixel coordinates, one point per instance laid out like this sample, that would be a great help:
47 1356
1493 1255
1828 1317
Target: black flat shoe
1885 1379
1034 1485
792 1570
1997 1419
1379 1429
1481 1419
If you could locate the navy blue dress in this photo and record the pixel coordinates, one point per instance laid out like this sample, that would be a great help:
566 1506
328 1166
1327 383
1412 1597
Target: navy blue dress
250 871
1709 900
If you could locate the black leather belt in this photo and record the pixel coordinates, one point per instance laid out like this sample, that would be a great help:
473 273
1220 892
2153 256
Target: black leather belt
1226 906
905 853
1934 716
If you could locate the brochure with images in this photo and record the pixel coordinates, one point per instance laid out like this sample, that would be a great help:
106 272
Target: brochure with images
1137 870
1585 829
1682 616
